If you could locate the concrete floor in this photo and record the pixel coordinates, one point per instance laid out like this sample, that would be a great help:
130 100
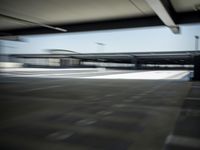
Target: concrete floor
97 73
88 114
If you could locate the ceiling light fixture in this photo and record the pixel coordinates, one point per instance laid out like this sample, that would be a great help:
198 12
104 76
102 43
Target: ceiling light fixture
33 22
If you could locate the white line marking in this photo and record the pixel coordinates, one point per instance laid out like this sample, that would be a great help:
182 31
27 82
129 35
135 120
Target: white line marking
183 141
193 98
195 86
42 88
191 110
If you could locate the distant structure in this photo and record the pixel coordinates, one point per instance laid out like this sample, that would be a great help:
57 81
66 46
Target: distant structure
61 51
64 62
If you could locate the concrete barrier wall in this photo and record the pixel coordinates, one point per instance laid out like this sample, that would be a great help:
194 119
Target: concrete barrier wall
10 65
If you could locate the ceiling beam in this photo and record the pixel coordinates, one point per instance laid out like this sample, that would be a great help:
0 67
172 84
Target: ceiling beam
89 26
148 21
165 12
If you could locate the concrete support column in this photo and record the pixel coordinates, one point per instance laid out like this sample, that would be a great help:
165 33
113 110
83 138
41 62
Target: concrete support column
135 61
197 68
137 65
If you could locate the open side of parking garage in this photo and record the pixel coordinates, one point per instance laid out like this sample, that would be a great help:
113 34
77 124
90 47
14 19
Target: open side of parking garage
103 114
41 110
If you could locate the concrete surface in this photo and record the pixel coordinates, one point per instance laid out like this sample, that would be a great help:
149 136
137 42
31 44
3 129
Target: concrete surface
88 114
97 73
186 133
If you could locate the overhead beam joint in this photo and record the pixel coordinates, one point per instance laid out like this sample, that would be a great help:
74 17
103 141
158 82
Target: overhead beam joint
165 13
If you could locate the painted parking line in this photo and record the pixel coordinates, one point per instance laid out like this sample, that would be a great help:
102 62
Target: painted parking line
193 98
42 88
195 86
183 141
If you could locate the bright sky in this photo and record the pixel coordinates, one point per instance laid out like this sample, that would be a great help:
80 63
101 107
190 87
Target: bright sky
121 40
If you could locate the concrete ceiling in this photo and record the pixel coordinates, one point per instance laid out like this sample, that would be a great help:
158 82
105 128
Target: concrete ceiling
69 11
185 5
33 16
